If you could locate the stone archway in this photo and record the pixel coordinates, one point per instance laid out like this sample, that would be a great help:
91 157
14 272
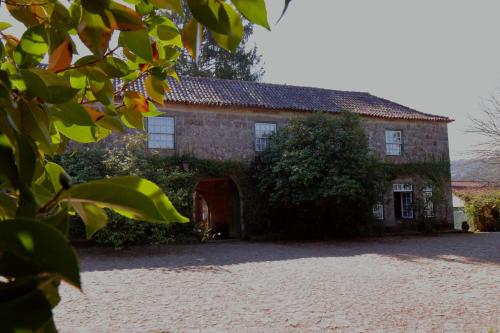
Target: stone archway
217 208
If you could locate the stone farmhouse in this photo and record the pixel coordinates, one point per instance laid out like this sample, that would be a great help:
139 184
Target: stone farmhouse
231 120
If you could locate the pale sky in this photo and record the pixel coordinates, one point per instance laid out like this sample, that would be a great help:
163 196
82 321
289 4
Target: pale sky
436 56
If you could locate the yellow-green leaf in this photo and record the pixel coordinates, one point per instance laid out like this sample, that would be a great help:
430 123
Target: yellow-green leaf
32 47
254 10
155 89
139 198
138 42
95 218
231 40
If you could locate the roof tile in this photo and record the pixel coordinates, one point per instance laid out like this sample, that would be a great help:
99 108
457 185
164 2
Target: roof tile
228 93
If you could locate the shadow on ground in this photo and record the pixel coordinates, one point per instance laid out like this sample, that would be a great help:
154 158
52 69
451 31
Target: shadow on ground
460 248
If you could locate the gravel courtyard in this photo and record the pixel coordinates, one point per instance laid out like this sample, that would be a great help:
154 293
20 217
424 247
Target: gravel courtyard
447 283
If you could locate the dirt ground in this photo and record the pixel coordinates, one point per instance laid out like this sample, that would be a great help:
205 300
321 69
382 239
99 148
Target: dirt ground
448 283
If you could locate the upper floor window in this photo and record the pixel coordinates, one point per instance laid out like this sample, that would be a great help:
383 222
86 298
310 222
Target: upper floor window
393 142
161 132
262 133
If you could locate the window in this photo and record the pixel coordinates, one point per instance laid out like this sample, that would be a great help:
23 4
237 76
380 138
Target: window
161 132
262 133
402 187
378 211
428 204
403 200
407 205
393 143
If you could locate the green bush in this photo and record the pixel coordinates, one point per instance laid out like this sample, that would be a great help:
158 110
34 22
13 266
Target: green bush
484 209
128 157
319 178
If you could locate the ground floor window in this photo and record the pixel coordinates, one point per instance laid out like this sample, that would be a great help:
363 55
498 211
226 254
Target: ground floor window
403 200
428 204
378 211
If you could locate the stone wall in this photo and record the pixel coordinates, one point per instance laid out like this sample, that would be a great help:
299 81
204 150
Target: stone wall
229 133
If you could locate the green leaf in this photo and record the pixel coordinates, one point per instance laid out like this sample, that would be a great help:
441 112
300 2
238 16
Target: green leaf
8 169
111 123
164 30
48 86
103 91
74 122
60 221
254 10
95 218
232 40
143 8
26 159
82 134
138 43
95 31
115 67
212 14
72 113
29 247
173 5
152 111
155 89
50 178
23 306
32 47
138 198
35 122
8 206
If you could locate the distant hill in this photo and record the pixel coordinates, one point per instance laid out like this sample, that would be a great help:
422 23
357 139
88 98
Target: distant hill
476 169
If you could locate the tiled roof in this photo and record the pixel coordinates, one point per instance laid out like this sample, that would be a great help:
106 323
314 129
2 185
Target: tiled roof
227 93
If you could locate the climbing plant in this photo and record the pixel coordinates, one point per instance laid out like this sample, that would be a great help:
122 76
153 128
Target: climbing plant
433 175
43 109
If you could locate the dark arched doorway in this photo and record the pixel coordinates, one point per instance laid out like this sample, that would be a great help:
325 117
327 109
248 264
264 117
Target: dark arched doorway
217 208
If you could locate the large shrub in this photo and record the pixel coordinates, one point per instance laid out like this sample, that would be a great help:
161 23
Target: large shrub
483 208
319 177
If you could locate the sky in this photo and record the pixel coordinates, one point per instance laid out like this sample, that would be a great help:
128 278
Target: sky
440 57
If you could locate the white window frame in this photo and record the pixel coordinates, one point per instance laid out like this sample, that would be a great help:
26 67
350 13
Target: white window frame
378 211
428 203
262 134
407 205
162 129
402 187
393 142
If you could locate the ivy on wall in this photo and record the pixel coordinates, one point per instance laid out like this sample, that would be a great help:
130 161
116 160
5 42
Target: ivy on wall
434 174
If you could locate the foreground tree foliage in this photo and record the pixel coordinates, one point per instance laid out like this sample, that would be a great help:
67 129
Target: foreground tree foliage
44 108
318 171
